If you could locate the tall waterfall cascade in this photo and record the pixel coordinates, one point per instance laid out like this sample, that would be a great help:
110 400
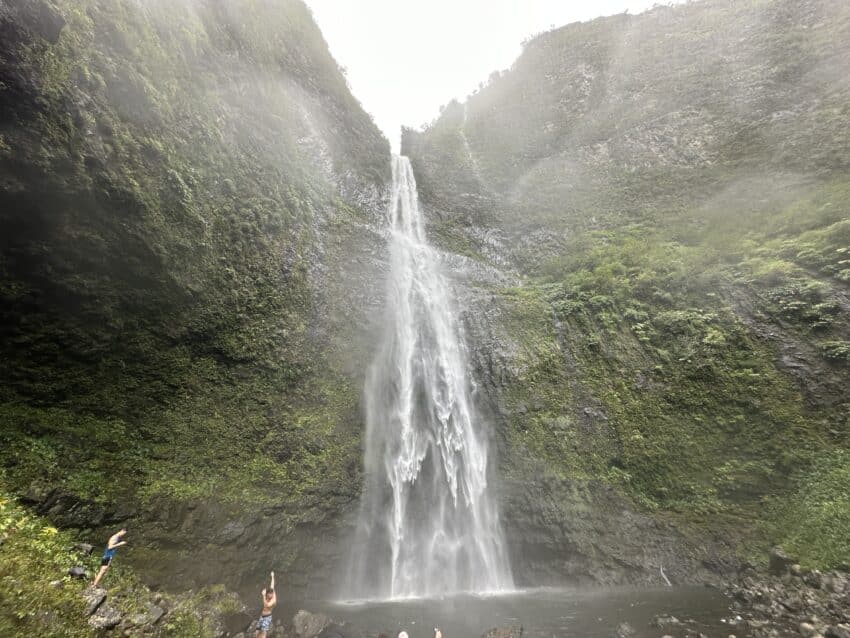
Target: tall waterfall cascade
428 523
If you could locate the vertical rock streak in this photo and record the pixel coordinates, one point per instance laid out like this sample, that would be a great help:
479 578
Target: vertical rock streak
429 525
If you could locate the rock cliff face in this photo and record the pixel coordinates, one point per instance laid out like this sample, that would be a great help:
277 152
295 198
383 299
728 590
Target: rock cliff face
662 204
190 236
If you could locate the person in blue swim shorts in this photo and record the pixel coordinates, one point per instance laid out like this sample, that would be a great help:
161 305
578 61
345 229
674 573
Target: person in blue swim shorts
115 541
264 624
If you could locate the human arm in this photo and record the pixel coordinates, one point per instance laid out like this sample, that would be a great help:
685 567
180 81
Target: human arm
272 585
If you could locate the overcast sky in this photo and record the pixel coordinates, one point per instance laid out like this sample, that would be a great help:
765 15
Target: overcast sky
405 58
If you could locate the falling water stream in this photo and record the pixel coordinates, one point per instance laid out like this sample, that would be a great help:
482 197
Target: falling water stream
428 524
429 549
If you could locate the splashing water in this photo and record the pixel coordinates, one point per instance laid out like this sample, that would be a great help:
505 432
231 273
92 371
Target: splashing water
428 525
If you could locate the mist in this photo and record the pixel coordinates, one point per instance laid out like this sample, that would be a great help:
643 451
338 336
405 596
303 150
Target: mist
417 58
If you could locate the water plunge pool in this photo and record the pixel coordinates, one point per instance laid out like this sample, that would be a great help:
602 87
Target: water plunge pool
579 613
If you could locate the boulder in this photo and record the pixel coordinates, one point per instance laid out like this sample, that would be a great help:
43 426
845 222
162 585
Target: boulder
308 625
511 631
834 583
814 579
807 630
83 548
624 630
662 621
93 598
149 617
77 572
237 621
105 618
780 562
34 494
837 631
155 614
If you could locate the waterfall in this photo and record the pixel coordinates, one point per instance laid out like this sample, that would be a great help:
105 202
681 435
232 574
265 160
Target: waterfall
428 522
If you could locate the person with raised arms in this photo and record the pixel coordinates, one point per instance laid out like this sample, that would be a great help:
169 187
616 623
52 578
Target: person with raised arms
115 541
264 624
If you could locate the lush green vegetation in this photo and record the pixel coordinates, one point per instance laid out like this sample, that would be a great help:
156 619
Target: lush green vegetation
680 344
190 449
33 554
38 598
814 526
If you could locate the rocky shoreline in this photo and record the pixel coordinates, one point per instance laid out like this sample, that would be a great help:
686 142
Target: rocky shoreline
790 600
783 601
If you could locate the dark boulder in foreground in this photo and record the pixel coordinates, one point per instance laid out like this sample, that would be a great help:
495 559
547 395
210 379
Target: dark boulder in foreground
93 598
77 572
237 622
308 625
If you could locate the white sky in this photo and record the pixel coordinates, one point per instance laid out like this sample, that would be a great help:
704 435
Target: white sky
405 58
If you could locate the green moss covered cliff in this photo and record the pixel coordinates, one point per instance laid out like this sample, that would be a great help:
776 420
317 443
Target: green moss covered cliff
186 190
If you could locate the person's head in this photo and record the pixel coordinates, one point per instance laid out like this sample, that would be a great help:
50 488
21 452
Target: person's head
269 593
122 531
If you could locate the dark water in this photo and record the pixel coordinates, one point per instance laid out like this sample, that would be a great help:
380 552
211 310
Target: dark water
542 613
